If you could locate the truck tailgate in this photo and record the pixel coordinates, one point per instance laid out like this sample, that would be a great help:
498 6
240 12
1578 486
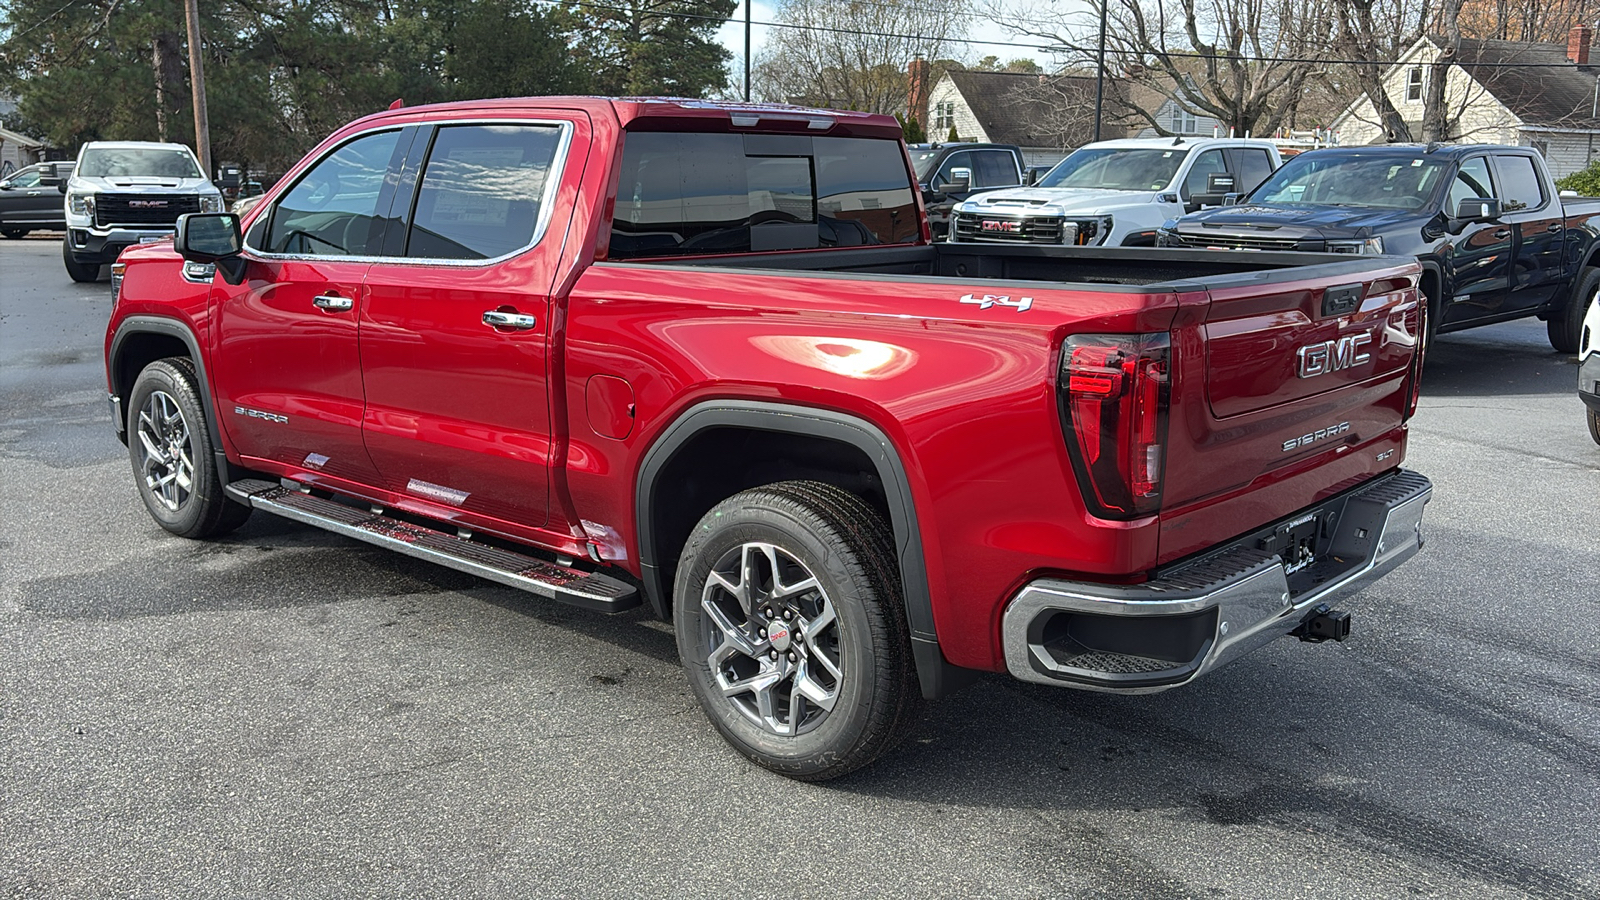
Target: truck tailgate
1288 387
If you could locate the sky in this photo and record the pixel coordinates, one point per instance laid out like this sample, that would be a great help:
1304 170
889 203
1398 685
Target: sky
982 29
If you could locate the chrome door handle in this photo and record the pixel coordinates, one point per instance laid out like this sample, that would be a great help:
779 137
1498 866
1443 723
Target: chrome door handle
1553 227
1502 234
494 318
333 302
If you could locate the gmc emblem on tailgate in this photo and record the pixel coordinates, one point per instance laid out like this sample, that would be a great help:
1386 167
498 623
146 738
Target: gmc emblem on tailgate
1331 356
993 225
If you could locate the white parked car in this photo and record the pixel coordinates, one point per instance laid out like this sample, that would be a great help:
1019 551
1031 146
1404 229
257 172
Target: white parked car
1589 359
1117 193
129 192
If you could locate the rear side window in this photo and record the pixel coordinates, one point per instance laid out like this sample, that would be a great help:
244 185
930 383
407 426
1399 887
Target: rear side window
333 209
996 168
1254 167
1519 183
682 194
482 191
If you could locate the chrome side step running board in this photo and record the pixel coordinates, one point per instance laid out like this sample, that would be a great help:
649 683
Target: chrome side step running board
589 590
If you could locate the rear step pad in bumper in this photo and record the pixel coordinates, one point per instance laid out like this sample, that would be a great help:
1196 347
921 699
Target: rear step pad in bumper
588 590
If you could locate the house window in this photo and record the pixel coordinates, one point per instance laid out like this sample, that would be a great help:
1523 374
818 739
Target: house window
1184 122
1414 84
944 116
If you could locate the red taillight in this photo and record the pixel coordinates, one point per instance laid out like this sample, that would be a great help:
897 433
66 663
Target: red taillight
1114 395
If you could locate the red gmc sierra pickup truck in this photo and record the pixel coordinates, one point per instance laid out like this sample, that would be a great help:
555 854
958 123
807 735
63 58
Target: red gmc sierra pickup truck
705 357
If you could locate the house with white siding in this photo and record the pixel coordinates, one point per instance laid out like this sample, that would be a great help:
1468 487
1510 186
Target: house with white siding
1048 116
1518 93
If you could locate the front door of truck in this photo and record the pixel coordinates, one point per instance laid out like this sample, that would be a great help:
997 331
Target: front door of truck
1480 255
286 361
455 333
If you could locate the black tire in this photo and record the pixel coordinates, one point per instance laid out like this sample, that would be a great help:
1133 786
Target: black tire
80 272
165 407
15 233
1594 424
1566 327
833 537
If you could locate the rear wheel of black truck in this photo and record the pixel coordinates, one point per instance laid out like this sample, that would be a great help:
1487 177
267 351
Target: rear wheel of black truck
793 632
170 450
1566 327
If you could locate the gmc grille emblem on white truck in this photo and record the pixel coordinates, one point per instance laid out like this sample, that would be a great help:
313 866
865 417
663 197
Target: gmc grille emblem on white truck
1331 356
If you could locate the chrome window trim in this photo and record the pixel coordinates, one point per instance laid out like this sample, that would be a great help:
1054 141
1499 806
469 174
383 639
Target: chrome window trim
552 184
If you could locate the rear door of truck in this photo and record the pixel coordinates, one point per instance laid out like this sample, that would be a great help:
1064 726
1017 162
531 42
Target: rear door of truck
1288 387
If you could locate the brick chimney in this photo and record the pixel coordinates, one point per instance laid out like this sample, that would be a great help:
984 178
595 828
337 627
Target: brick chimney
918 88
1578 44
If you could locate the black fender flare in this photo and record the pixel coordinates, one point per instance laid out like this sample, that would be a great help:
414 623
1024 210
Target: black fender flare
935 674
166 327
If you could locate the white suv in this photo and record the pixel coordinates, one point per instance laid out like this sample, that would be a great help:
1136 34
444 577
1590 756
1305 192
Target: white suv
1116 193
128 192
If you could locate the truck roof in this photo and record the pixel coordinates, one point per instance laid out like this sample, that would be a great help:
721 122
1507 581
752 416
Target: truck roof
165 145
627 109
1412 149
1184 142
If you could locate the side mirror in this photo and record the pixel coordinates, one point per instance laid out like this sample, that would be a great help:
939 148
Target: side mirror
960 181
1478 209
212 238
1219 183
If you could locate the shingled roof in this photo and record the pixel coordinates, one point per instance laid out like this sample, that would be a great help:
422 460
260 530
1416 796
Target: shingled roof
1536 82
1023 109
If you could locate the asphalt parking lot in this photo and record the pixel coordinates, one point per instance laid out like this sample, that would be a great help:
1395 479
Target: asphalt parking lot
285 713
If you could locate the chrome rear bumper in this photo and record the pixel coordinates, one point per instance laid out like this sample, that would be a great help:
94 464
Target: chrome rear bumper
1201 613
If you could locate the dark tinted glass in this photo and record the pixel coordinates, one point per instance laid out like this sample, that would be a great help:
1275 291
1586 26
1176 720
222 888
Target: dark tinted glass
1254 167
333 209
483 188
1208 163
691 194
1519 183
996 168
1471 183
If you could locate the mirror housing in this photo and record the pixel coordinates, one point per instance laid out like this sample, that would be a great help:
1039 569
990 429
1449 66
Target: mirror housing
212 238
960 181
1478 209
1030 178
1219 183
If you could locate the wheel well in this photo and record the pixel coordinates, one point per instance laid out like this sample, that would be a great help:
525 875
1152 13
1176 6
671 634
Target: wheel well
1430 285
718 462
138 350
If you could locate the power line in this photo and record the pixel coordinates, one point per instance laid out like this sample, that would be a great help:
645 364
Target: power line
1047 48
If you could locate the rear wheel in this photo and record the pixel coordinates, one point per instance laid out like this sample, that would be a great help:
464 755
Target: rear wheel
14 233
80 272
792 630
1566 328
1594 425
171 453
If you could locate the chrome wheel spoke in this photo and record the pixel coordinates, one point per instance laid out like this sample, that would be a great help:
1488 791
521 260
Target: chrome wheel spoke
151 451
813 690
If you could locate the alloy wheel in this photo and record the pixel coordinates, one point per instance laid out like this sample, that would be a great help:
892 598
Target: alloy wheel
772 639
166 455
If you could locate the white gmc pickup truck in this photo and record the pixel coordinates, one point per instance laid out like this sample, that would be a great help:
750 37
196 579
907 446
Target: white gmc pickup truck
128 192
1116 193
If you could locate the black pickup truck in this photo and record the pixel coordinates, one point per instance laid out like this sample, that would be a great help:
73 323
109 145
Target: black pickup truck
1495 238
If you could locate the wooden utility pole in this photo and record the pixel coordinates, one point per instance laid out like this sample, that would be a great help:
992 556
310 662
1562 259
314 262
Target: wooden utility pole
197 77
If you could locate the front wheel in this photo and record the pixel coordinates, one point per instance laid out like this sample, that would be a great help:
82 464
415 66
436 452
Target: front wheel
792 629
1566 329
79 272
171 453
1594 425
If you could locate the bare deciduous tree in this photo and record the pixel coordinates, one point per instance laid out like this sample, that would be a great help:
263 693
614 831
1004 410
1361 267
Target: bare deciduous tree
853 54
